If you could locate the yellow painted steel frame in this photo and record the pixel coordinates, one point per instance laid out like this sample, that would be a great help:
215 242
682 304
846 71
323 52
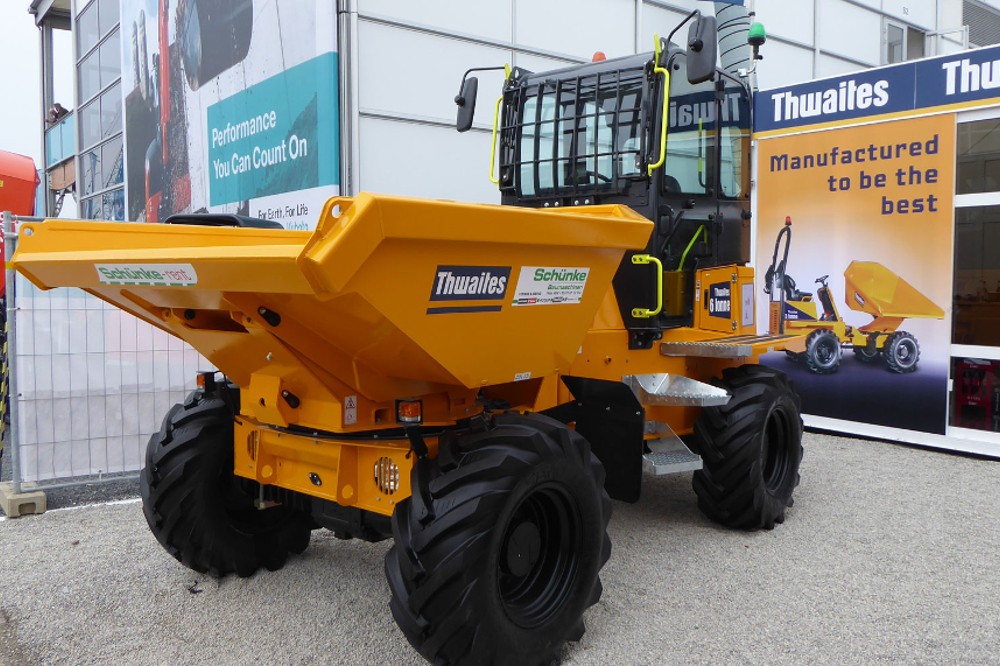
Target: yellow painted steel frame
605 353
665 73
496 123
371 475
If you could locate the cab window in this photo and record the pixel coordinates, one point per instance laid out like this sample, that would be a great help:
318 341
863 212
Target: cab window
707 138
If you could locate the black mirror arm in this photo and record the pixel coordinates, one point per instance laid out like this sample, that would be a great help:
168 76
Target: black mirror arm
681 24
459 98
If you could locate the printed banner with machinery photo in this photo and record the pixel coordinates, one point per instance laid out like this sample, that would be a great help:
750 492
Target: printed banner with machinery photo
230 106
855 235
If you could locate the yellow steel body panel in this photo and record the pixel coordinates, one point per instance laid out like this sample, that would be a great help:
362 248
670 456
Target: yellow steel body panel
340 471
605 355
344 320
724 295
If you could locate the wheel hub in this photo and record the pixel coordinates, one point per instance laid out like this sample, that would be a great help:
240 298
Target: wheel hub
523 548
537 561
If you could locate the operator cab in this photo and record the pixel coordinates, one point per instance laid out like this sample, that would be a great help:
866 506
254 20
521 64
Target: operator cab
595 134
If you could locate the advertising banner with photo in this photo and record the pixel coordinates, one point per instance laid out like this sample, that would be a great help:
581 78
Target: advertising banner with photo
863 269
878 267
230 106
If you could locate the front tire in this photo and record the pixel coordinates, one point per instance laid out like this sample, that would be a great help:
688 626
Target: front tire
823 352
751 449
198 510
497 562
902 352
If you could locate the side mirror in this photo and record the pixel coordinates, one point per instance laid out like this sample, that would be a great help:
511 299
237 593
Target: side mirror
702 50
466 101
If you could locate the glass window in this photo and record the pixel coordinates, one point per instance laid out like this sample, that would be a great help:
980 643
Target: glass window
691 134
102 166
976 308
90 164
108 17
107 206
894 38
978 168
90 124
584 141
87 29
89 76
111 111
903 42
111 65
114 205
90 209
112 162
734 143
975 394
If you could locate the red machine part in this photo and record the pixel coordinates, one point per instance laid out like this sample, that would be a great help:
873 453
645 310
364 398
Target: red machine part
18 186
18 183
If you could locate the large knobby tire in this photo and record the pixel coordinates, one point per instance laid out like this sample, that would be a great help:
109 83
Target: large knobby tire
199 511
902 352
823 352
497 562
751 449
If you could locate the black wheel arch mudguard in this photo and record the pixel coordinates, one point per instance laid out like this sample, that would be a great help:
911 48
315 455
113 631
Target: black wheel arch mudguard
609 416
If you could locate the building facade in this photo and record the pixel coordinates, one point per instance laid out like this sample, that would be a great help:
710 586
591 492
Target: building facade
388 123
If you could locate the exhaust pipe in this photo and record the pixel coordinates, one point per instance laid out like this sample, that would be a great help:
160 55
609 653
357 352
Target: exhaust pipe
733 27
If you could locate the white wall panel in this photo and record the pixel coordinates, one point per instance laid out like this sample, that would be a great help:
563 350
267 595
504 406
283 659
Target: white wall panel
418 74
425 161
919 13
791 20
783 64
850 30
657 20
490 20
829 65
593 25
534 63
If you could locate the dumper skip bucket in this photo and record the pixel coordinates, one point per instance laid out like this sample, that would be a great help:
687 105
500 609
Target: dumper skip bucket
390 295
876 290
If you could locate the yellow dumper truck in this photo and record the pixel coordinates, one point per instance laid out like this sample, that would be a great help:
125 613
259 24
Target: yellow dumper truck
870 288
473 381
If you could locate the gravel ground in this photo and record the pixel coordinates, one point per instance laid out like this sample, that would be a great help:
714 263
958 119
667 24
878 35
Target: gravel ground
889 555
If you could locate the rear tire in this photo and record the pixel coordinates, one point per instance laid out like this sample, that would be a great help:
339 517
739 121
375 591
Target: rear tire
823 352
751 449
497 561
198 510
902 352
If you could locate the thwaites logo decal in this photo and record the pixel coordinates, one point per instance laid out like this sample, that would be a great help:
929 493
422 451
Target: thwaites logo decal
147 275
720 300
549 285
792 313
457 284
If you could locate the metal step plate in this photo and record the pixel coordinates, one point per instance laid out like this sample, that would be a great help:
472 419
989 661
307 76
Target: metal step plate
668 454
741 346
664 389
